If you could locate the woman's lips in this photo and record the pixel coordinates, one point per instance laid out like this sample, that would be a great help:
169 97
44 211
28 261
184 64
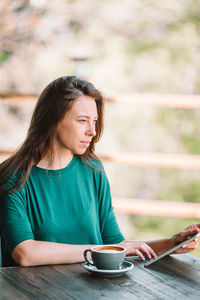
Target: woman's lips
85 143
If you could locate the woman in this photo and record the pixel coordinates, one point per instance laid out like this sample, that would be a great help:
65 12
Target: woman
55 197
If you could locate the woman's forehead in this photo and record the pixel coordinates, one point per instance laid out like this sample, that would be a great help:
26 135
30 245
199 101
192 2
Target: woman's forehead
84 105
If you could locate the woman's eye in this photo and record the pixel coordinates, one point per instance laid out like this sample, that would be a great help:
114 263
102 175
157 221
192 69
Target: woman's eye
82 121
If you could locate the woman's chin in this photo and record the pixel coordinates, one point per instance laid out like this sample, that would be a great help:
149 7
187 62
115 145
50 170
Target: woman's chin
80 152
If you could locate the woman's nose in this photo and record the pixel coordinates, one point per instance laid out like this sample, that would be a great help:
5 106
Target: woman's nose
92 130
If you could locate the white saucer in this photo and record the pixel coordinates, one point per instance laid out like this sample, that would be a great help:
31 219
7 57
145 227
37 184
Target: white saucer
127 265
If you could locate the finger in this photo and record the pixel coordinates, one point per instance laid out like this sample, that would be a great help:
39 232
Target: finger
193 226
153 253
194 245
149 252
188 233
138 253
183 250
146 251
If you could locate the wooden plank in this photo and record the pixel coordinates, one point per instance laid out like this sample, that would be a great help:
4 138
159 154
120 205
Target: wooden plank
155 160
175 276
157 207
62 282
92 287
17 96
8 291
33 284
158 160
4 155
154 100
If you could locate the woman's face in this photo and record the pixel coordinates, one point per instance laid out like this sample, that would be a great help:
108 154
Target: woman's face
78 127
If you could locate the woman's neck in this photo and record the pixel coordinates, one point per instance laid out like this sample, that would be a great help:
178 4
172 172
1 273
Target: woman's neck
59 161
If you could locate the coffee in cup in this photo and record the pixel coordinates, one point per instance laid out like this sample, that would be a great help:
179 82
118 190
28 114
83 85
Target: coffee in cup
106 257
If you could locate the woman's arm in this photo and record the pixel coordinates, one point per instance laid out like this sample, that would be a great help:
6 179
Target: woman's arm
33 253
163 245
153 248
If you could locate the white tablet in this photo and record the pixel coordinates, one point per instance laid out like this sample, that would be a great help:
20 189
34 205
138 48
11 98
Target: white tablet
171 250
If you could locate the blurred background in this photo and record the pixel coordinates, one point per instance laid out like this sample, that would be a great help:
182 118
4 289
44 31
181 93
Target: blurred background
144 55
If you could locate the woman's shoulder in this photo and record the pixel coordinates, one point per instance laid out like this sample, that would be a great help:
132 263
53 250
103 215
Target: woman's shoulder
12 182
96 164
92 164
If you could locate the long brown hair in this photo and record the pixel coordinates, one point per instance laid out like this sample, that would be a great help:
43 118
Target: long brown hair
55 100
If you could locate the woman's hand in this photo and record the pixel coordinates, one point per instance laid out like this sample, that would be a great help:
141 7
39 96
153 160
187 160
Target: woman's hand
150 248
187 233
138 248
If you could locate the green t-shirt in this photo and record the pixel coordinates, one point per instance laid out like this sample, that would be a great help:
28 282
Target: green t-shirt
70 205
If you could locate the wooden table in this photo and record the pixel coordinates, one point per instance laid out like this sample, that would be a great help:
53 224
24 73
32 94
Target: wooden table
176 277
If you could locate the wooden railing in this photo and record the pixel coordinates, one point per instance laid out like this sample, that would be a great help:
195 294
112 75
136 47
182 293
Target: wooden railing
155 160
155 100
157 207
144 159
164 101
143 206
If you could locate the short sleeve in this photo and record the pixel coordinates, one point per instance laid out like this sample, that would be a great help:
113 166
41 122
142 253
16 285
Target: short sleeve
110 231
14 223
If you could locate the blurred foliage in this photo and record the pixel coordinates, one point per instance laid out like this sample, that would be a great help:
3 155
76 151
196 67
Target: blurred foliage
139 46
181 191
183 125
4 56
192 12
192 143
131 46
